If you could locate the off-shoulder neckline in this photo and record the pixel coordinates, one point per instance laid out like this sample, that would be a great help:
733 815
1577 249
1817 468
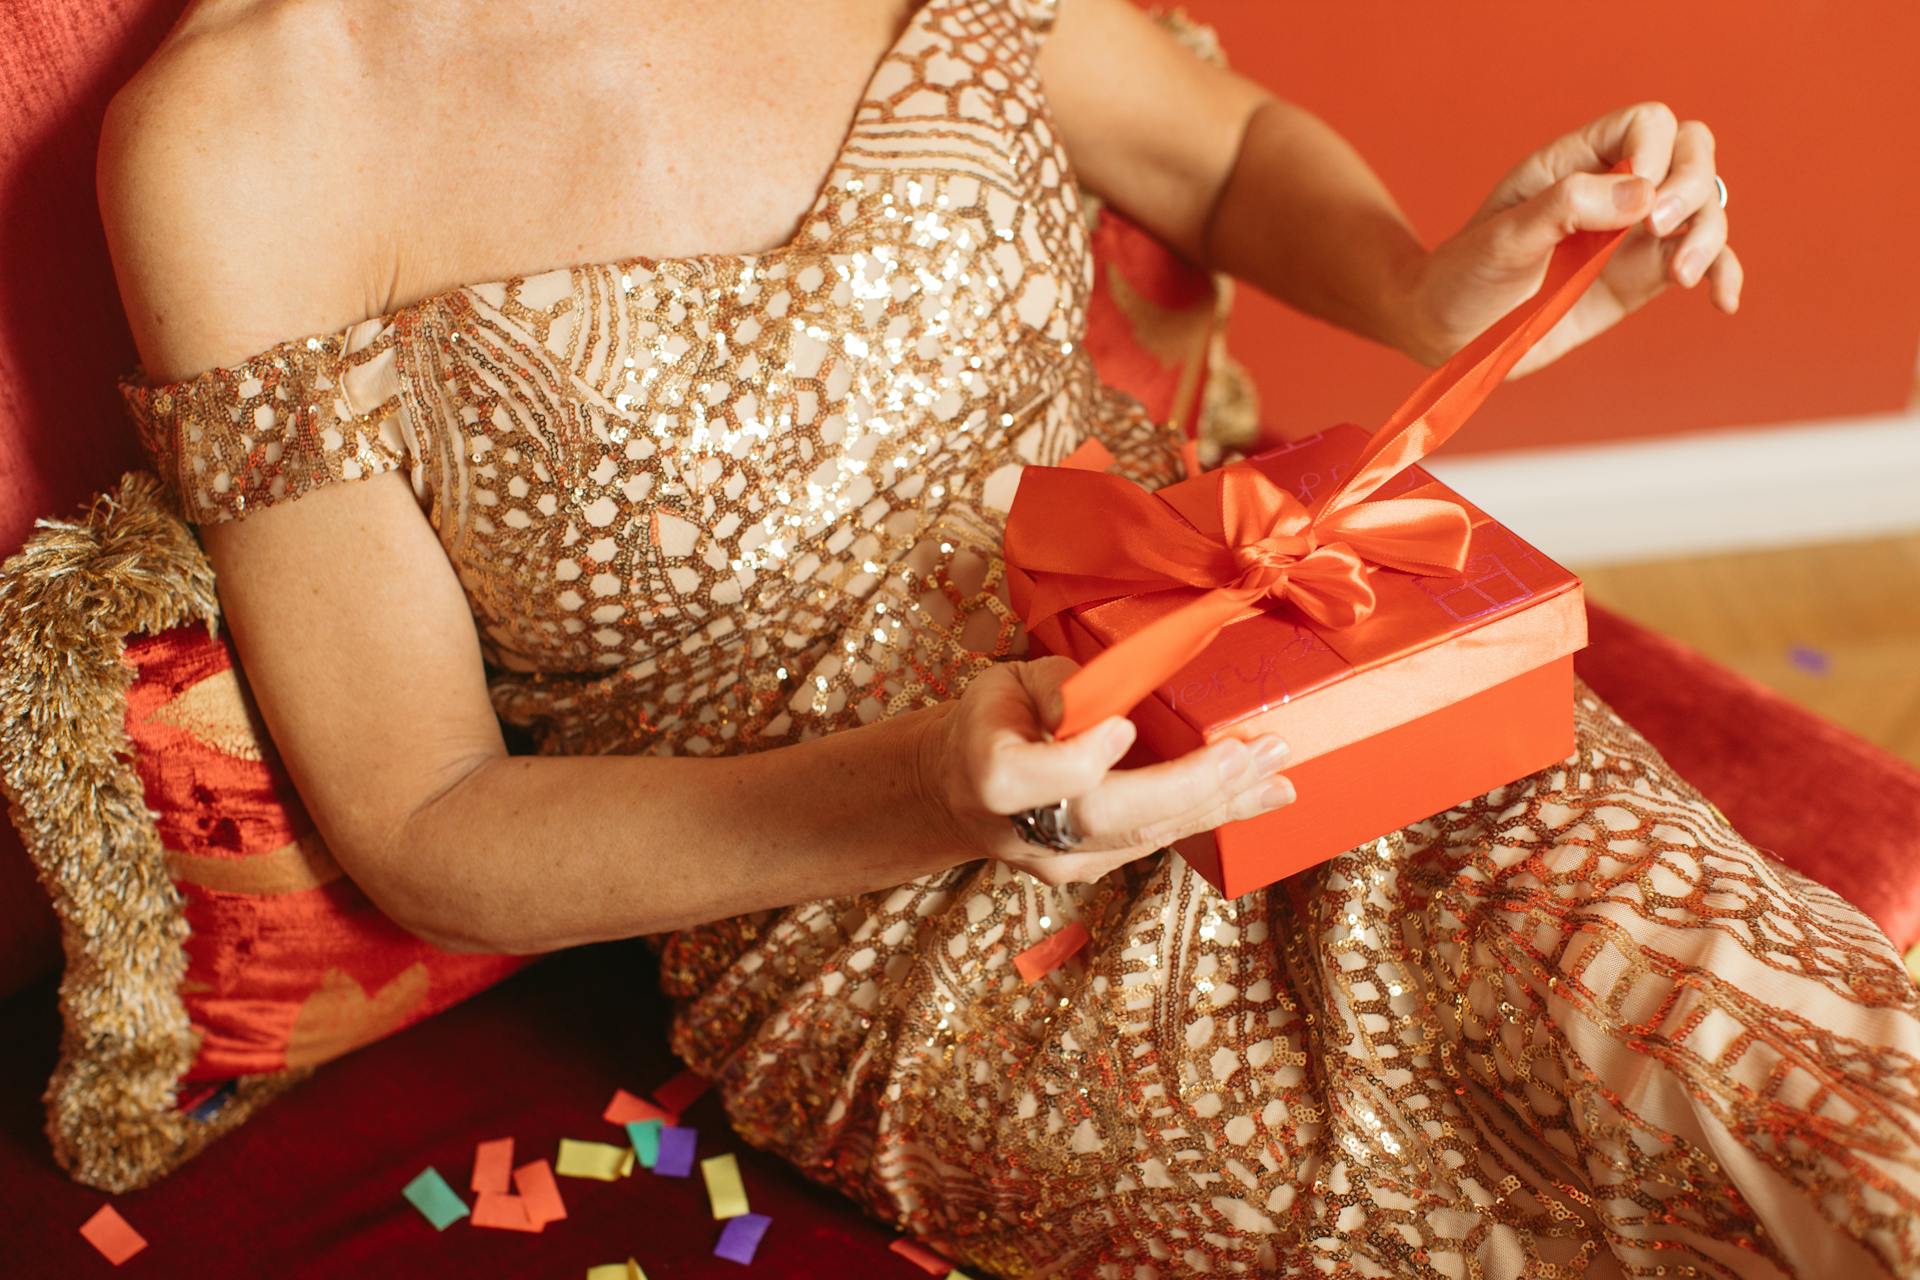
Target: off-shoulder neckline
136 379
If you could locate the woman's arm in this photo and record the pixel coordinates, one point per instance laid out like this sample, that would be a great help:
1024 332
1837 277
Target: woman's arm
1242 182
362 655
1231 176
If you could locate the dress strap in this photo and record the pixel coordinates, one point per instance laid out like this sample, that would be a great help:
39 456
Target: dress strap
302 413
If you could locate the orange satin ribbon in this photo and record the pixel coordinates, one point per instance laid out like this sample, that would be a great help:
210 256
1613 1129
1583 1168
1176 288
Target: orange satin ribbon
1085 536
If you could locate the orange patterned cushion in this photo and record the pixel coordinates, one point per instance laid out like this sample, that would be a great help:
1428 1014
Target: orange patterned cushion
288 963
215 952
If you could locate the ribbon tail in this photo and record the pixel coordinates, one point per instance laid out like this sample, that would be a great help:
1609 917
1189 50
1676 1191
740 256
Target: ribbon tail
1115 681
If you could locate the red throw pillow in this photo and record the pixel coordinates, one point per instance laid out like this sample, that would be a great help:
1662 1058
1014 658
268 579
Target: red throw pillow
215 951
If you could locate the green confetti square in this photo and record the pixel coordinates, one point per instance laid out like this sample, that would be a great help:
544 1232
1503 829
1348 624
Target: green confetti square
430 1194
645 1136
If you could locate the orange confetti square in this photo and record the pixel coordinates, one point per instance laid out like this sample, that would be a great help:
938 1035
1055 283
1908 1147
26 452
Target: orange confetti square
112 1235
540 1192
493 1166
503 1213
679 1093
1043 957
625 1108
922 1257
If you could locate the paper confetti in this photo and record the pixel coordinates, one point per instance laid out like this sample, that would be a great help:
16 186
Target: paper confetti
628 1270
645 1137
112 1235
725 1191
536 1186
1041 959
600 1160
430 1194
493 1166
741 1237
677 1094
957 1274
625 1109
1808 659
921 1256
503 1213
675 1157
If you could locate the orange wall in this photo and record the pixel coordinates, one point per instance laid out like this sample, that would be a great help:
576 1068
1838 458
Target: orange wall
1817 110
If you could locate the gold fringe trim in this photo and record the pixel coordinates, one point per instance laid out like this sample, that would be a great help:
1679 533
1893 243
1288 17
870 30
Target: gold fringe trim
68 600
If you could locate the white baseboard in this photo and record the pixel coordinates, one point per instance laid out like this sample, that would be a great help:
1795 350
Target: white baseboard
1720 490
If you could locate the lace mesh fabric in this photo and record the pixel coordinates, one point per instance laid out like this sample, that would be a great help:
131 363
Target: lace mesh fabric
1577 1026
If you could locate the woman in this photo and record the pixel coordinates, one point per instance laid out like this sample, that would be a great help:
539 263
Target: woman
714 514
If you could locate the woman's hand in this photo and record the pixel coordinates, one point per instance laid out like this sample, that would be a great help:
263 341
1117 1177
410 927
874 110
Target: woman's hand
990 757
1499 258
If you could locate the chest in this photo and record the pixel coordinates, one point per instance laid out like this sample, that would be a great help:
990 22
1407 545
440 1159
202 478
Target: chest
663 129
630 458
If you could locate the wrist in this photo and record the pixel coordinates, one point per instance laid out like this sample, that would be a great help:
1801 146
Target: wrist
1412 329
935 816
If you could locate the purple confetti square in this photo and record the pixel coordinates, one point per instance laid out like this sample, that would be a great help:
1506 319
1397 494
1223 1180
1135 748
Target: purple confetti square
1809 659
675 1158
740 1238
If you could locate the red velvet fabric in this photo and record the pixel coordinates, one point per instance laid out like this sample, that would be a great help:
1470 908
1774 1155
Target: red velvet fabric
310 1187
1824 801
62 339
288 963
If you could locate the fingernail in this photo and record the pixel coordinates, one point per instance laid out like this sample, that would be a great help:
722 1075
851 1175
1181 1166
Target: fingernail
1276 793
1233 761
1628 193
1666 214
1119 737
1269 753
1687 267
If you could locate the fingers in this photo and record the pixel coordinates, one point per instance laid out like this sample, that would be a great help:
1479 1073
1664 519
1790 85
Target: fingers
1688 202
1695 250
1018 774
1688 186
1012 764
1725 279
1645 134
1577 202
1146 808
1042 680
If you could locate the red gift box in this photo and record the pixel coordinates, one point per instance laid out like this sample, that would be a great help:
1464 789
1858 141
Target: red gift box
1411 650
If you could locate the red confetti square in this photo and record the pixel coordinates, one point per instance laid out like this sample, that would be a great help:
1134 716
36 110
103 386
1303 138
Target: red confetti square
112 1235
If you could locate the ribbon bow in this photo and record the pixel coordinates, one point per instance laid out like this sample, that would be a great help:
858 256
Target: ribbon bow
1084 536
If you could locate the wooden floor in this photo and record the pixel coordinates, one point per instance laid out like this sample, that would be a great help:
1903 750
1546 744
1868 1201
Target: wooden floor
1835 627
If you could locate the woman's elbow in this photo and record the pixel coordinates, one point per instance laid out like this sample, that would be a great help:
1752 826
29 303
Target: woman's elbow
413 873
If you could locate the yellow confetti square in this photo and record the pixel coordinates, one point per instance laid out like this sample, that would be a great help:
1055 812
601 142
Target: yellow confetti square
628 1270
724 1188
591 1159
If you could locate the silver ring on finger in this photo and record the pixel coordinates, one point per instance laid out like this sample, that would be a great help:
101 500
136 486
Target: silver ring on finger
1048 826
1720 184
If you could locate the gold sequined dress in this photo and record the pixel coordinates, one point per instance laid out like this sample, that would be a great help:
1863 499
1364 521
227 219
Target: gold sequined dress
721 503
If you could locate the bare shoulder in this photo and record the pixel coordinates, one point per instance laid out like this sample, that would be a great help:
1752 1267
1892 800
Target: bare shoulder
227 186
